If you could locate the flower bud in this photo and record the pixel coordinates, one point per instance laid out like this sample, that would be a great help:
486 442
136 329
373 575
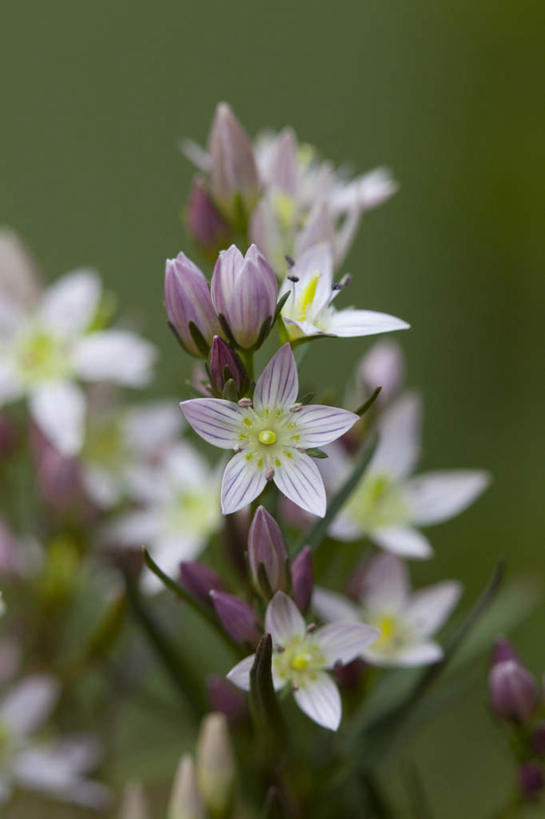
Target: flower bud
233 171
186 801
502 651
199 580
225 365
225 697
134 804
237 617
531 780
513 691
266 548
205 223
302 579
244 291
215 764
189 306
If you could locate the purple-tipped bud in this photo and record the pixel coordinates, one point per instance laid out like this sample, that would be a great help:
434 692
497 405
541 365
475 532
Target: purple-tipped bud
266 548
205 223
302 579
189 306
503 651
244 290
225 364
233 171
237 617
513 691
537 739
199 580
531 780
225 697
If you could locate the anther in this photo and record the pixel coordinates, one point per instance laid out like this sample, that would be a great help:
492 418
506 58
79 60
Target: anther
296 407
245 402
279 649
293 279
311 627
289 260
269 473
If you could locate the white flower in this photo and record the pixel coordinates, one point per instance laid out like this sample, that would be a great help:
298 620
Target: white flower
55 768
301 658
270 437
308 310
45 348
406 621
388 504
178 510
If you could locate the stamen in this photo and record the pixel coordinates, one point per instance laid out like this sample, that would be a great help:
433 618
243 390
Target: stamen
289 260
245 402
269 473
296 407
293 279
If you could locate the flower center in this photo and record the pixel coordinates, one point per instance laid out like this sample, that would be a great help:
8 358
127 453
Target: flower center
393 633
267 437
298 661
377 502
41 357
307 297
301 660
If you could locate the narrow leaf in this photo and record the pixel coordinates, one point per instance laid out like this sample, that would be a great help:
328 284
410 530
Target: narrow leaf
369 403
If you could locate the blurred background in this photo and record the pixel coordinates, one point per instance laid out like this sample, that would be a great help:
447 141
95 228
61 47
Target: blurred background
450 96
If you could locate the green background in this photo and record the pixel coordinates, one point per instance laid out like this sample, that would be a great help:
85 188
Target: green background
450 96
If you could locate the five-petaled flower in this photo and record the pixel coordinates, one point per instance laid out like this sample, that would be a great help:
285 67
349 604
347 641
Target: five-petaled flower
270 435
302 656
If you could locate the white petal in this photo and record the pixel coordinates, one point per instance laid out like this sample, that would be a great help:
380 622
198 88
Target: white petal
168 551
403 541
365 192
114 355
333 607
316 261
320 700
151 427
135 529
59 411
350 323
29 704
69 305
318 229
11 387
344 528
299 479
386 584
46 770
242 482
420 654
399 441
19 276
438 496
240 674
429 608
343 642
102 487
283 619
217 421
278 384
319 425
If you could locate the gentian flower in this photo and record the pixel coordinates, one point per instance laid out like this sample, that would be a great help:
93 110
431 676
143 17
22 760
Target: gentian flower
302 657
406 620
270 437
308 310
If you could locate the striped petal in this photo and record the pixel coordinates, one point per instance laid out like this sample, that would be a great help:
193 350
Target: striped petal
299 479
351 323
278 384
343 642
242 482
283 619
429 608
320 700
438 496
215 420
319 425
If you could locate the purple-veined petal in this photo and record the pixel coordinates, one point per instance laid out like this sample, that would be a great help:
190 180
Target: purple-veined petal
59 411
69 305
319 425
278 384
385 584
114 355
343 642
299 479
320 700
224 278
438 496
283 619
242 482
403 541
399 442
217 421
350 323
29 703
429 608
240 673
333 607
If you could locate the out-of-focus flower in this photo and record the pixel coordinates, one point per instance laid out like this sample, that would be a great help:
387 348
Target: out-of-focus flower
270 437
58 476
382 366
233 173
302 579
513 691
215 764
387 504
46 348
178 510
301 658
56 768
186 801
205 223
134 802
406 620
244 291
189 306
308 310
266 549
237 617
199 580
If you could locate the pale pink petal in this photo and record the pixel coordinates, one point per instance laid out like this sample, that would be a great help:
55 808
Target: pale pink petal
114 355
29 704
59 411
69 305
350 323
399 443
429 608
386 584
240 673
278 384
320 700
217 421
403 541
438 496
333 607
319 425
299 479
242 482
283 619
343 642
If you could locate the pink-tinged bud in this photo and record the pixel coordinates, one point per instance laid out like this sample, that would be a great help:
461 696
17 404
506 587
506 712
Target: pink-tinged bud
204 221
228 699
266 548
537 739
199 580
513 691
8 437
225 365
189 306
244 291
233 172
237 617
302 579
531 780
503 651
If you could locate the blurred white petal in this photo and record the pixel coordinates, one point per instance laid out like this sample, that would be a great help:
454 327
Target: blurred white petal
114 355
438 496
320 700
59 411
69 305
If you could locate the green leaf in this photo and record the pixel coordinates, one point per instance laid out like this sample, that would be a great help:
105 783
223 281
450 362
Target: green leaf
314 452
369 403
281 302
264 703
199 340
